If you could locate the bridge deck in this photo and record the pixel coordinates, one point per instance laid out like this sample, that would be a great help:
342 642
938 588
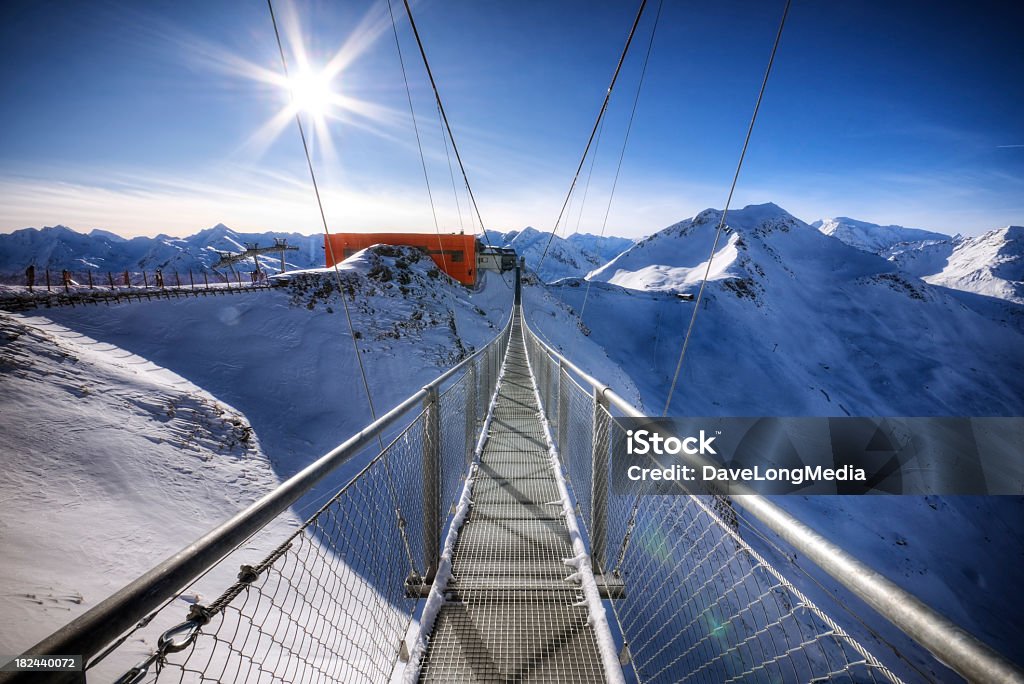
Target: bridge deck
510 615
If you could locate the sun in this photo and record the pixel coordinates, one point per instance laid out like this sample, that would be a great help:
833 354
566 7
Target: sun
312 92
315 91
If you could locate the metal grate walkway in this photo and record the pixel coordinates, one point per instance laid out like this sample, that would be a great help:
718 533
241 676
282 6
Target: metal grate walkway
510 615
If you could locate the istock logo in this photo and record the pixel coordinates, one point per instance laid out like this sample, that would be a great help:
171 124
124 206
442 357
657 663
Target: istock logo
643 442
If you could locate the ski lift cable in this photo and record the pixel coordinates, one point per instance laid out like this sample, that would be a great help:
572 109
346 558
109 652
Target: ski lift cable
323 219
423 164
725 211
447 125
593 131
625 142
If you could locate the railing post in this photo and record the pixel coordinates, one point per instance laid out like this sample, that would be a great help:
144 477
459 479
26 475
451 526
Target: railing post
544 377
431 483
485 368
518 297
471 412
599 481
563 410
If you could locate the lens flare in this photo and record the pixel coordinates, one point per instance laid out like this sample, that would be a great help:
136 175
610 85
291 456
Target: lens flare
312 92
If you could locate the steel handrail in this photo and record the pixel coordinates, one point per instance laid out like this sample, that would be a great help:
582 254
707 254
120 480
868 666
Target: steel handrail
955 647
100 626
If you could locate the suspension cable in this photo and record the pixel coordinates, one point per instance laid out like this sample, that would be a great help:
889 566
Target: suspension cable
444 117
625 141
323 217
451 173
586 186
426 176
593 131
728 201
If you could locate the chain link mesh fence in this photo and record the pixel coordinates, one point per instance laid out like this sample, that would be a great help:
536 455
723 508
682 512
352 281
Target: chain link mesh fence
699 604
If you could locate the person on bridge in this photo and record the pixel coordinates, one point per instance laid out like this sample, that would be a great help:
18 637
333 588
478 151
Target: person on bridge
30 276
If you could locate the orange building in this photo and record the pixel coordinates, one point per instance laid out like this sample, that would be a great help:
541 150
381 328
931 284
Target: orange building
459 251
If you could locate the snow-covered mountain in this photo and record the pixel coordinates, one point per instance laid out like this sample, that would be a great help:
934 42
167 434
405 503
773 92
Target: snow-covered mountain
574 256
871 237
60 247
991 264
799 323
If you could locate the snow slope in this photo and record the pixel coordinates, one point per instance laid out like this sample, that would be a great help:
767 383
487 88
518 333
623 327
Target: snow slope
871 237
284 357
111 463
991 264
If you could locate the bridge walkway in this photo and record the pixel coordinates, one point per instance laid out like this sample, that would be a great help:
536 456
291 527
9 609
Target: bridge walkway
510 614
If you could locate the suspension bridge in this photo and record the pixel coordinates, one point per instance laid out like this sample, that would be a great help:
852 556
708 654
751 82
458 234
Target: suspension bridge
481 540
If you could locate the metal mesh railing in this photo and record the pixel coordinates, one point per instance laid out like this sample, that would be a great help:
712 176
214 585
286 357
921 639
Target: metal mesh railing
699 604
702 606
330 603
334 601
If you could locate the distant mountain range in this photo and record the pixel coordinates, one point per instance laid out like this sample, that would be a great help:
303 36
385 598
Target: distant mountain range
60 247
871 237
991 264
574 256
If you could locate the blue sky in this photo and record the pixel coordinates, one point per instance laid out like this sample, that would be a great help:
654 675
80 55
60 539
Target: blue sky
160 116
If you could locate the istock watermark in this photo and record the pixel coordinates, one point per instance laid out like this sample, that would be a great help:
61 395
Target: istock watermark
770 455
643 442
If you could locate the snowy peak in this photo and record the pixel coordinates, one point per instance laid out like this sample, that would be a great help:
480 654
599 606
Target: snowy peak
100 234
759 243
574 256
871 237
991 264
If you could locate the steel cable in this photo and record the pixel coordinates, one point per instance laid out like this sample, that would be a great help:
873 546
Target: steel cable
426 176
625 141
323 219
593 131
728 201
447 125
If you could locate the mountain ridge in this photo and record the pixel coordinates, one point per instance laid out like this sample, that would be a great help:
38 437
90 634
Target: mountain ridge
60 247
